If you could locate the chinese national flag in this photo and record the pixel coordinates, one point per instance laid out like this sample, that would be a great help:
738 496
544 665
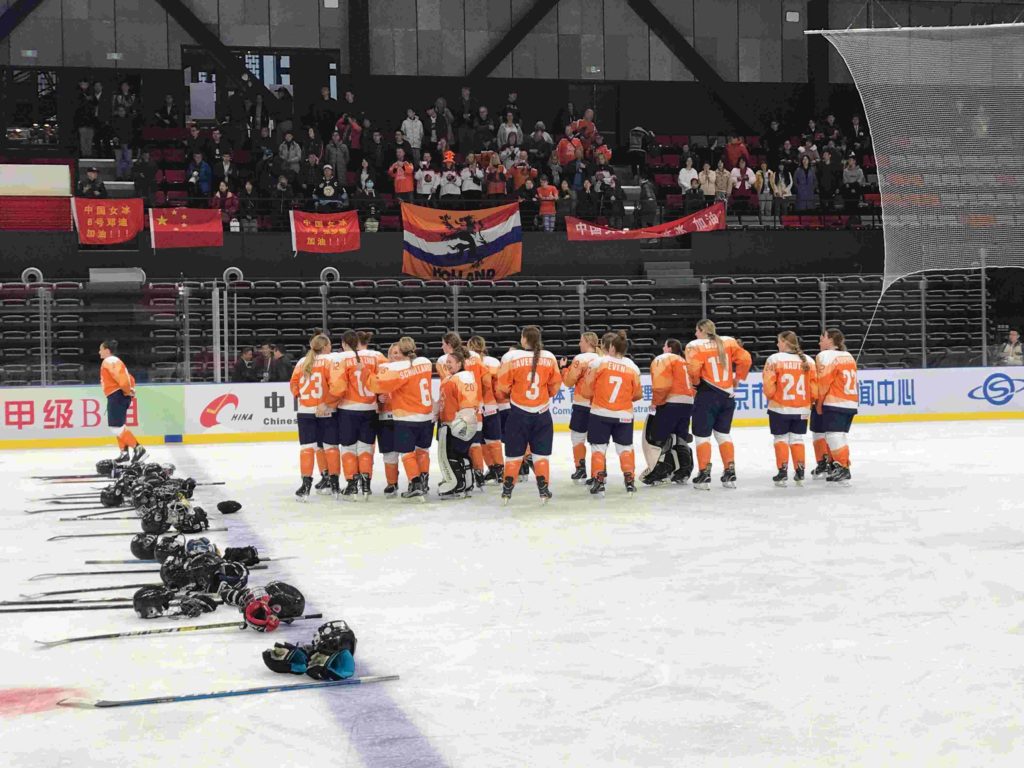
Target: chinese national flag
325 232
185 228
107 222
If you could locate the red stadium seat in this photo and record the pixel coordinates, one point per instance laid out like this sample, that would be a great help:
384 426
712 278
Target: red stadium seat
663 139
670 161
174 176
679 140
665 180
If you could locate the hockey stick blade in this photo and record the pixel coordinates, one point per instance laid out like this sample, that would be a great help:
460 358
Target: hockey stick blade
169 630
150 562
44 576
68 601
78 703
52 608
118 533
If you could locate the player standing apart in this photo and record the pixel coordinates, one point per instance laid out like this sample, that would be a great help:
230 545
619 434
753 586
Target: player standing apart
790 385
612 383
838 398
529 376
458 420
667 431
715 363
494 457
406 382
357 417
119 388
579 419
317 383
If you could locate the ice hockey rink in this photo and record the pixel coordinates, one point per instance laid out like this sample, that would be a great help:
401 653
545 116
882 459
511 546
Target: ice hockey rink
880 624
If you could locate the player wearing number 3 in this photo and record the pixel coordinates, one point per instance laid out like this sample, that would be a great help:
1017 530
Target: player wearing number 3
790 385
838 397
317 383
717 363
407 384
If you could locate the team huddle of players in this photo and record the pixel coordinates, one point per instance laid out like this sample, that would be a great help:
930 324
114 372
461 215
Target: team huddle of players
493 417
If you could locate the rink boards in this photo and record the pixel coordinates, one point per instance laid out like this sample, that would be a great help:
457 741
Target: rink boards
50 417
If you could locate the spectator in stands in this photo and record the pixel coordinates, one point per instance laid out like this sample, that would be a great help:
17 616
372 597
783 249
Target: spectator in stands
449 179
85 118
567 147
312 144
246 370
787 154
764 184
401 143
708 183
831 130
290 152
829 173
613 203
497 185
402 176
467 112
435 128
329 195
508 127
262 145
546 195
647 207
219 145
285 111
743 196
587 202
1011 353
686 174
124 109
412 129
520 170
782 190
723 183
509 153
483 131
226 201
512 105
428 180
772 140
167 116
375 152
810 149
352 135
806 182
197 142
282 199
144 177
91 185
529 204
586 129
473 177
600 150
600 173
249 206
336 154
538 145
853 183
258 116
309 177
366 173
567 115
811 132
198 180
235 122
565 205
694 199
554 167
857 138
735 148
640 142
325 112
102 116
226 170
576 170
349 103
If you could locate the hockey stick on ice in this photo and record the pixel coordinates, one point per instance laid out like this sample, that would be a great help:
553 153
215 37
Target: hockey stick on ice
150 562
119 533
44 576
36 595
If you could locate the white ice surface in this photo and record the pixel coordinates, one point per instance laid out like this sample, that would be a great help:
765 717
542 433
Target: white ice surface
876 625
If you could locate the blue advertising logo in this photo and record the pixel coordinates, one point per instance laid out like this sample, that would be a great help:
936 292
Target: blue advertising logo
997 389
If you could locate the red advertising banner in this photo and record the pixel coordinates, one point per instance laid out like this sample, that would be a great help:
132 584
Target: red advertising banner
185 228
107 222
708 220
325 232
35 214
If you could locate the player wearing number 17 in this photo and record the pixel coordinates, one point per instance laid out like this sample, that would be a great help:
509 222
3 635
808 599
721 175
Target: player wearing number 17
790 384
317 383
715 364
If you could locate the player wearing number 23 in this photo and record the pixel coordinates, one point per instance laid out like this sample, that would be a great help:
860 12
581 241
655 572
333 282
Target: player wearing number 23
318 384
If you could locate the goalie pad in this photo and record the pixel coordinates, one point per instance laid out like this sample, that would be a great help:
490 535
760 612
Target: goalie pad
452 471
652 451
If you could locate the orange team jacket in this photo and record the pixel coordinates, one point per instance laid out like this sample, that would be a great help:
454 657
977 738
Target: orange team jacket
494 401
670 380
357 397
407 385
114 376
837 379
530 393
547 196
572 374
324 385
789 388
402 173
613 385
459 395
703 364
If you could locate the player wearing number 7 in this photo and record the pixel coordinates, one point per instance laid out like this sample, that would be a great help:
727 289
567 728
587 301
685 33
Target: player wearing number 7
357 417
838 398
407 384
715 364
790 385
317 383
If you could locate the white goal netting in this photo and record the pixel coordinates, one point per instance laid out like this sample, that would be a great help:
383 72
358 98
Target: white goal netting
945 111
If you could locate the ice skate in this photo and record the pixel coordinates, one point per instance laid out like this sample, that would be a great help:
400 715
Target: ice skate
840 475
365 492
323 488
782 477
729 477
139 453
351 492
416 490
391 491
630 483
543 490
580 475
333 486
702 482
506 490
798 474
823 470
598 486
303 493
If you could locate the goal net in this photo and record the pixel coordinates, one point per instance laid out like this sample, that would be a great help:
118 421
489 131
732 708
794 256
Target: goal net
945 112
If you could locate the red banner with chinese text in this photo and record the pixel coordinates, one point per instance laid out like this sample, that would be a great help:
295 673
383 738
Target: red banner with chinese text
325 232
708 220
107 222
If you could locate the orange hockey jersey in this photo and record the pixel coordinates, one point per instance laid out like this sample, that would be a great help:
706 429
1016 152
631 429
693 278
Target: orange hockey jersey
459 395
703 363
114 376
613 385
488 398
531 393
357 397
407 384
324 385
787 386
670 380
837 379
575 371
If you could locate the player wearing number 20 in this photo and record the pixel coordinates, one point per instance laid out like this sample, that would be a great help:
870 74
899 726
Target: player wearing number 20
717 363
318 384
790 384
838 397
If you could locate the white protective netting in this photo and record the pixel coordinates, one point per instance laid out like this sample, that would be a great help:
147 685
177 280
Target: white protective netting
945 111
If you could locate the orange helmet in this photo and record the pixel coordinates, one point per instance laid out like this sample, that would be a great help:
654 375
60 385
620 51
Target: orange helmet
449 156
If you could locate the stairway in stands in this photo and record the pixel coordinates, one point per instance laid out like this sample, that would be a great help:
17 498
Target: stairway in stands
668 263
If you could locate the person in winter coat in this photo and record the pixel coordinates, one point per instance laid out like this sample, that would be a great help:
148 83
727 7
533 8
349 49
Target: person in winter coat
782 189
613 203
227 202
734 150
199 179
310 177
587 203
336 154
450 178
806 183
708 183
483 131
428 180
472 179
538 146
723 183
509 126
290 152
743 193
764 183
497 184
412 128
402 176
281 200
249 206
